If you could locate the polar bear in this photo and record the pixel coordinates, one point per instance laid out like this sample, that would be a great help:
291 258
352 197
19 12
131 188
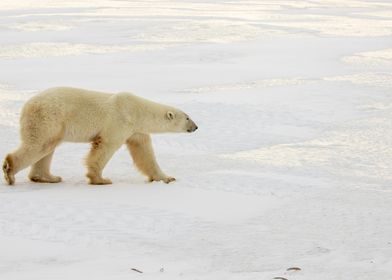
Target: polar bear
107 121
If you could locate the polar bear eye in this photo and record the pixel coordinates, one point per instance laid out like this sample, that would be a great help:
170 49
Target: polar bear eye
187 119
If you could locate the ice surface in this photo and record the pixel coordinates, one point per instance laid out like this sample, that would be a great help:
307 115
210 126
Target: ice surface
291 165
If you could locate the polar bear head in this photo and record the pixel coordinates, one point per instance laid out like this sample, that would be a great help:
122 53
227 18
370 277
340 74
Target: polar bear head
146 116
178 121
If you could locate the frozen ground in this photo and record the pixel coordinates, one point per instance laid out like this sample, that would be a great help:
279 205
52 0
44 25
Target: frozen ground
291 166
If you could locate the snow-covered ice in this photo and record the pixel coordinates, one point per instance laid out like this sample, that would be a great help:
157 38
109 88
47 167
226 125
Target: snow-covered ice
291 165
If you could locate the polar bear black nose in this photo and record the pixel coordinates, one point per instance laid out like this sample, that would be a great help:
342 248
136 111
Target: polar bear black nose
192 129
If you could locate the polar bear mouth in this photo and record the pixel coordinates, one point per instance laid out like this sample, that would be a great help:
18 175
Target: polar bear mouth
192 129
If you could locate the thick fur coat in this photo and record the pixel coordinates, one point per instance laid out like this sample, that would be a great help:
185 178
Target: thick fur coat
106 120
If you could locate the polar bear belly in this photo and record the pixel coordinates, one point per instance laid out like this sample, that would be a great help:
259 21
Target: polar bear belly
82 127
75 133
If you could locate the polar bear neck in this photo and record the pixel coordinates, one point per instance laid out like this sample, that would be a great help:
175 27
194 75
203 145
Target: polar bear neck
150 116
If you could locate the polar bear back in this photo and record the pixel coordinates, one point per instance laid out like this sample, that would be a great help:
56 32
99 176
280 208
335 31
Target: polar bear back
81 113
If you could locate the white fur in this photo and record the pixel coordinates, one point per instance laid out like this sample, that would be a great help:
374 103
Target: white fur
106 120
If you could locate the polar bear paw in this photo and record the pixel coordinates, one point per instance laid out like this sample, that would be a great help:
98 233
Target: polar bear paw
100 181
46 179
8 170
97 180
165 179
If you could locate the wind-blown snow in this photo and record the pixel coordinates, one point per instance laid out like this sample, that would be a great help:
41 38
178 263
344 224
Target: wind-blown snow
291 165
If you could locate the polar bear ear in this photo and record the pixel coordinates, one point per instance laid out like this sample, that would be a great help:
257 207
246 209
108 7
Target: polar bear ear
170 115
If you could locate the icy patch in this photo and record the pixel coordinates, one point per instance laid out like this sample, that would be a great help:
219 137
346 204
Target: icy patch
11 102
366 79
215 22
380 57
240 9
201 11
341 26
377 107
249 85
41 26
381 14
212 31
46 49
45 4
223 24
360 149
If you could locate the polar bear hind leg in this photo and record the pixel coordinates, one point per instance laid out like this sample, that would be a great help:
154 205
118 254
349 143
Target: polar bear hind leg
8 170
20 159
40 171
30 153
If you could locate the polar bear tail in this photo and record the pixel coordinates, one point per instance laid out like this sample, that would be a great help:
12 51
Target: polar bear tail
8 169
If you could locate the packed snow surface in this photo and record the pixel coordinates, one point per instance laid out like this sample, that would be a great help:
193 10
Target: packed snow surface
291 165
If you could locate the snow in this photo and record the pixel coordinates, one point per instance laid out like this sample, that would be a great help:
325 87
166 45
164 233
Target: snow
291 165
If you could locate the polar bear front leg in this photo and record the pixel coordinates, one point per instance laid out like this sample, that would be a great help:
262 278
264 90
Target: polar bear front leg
100 153
140 147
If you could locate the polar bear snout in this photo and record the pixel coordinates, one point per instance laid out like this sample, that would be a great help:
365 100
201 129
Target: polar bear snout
192 126
192 130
